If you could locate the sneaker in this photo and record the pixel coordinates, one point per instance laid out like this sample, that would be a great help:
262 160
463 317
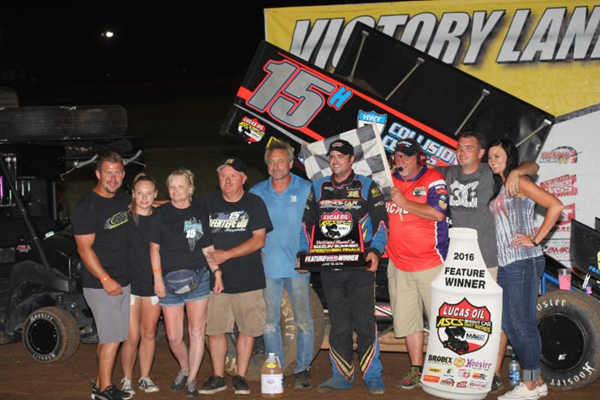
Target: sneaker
214 385
375 386
520 392
147 385
411 379
497 384
302 380
240 385
542 389
180 380
126 386
112 393
191 391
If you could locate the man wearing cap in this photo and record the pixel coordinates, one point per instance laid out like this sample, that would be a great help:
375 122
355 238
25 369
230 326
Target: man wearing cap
350 293
417 247
285 195
239 222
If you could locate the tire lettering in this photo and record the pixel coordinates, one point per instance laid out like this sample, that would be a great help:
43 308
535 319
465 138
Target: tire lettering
588 369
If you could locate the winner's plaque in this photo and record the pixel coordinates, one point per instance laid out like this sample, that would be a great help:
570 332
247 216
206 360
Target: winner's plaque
336 243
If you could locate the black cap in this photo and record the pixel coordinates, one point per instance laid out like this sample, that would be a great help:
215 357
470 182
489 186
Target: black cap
234 163
408 147
342 146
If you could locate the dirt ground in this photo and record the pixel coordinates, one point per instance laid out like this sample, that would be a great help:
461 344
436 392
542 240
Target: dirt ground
23 378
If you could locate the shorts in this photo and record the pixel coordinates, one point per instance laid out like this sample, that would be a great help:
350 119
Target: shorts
153 299
199 293
410 297
246 309
111 313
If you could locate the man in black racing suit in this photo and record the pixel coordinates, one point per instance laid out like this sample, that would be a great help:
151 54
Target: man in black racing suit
350 293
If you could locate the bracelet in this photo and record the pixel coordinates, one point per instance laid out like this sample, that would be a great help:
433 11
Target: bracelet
213 272
157 270
105 278
533 241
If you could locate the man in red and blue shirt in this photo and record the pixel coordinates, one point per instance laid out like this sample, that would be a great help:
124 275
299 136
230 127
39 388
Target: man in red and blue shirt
417 247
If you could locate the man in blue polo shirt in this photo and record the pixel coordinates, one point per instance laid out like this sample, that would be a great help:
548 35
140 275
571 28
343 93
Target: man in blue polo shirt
285 195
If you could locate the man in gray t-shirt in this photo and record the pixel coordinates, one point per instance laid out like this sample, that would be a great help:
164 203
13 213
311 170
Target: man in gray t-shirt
469 194
470 186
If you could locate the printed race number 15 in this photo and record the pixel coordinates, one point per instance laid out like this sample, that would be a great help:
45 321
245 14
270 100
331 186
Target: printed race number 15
293 95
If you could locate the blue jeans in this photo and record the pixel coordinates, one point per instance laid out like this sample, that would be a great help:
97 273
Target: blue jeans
298 293
520 281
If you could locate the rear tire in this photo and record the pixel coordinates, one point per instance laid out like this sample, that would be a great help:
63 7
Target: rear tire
50 335
569 326
289 340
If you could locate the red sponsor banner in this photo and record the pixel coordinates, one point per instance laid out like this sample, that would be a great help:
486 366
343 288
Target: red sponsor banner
561 186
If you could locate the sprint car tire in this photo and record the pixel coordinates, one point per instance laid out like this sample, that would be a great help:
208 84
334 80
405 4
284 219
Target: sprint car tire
289 339
50 335
569 326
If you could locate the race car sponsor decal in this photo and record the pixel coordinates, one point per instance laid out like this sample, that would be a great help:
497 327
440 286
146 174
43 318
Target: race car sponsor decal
465 373
462 327
560 155
462 384
561 186
479 376
336 225
431 147
251 129
371 117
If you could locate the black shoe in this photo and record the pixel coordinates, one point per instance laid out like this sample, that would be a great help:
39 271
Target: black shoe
302 380
95 390
214 385
111 393
497 384
240 385
180 381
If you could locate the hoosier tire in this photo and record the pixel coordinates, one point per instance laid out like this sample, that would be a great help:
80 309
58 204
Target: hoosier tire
50 335
569 327
289 340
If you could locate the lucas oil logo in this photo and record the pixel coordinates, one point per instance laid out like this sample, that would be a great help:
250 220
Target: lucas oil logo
463 328
251 130
336 225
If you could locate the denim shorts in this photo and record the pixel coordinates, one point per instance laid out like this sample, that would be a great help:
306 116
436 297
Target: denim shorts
201 292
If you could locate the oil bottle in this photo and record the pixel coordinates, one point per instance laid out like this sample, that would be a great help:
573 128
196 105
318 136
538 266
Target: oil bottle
272 378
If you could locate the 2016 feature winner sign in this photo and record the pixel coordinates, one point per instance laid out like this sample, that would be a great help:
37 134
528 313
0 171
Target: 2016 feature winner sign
336 243
467 307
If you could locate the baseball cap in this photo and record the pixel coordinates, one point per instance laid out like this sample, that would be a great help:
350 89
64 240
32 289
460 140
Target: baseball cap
342 146
234 163
408 147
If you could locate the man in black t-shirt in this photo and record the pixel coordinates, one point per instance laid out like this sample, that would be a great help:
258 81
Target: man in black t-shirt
99 225
238 222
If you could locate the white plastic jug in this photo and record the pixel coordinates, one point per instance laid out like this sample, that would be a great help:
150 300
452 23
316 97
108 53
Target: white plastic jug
272 378
465 323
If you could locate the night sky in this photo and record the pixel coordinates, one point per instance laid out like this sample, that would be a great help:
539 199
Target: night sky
164 41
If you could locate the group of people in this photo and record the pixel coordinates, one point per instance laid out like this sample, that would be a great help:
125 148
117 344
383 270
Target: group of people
226 258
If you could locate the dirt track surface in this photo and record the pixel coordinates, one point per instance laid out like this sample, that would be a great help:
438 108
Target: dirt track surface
23 378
